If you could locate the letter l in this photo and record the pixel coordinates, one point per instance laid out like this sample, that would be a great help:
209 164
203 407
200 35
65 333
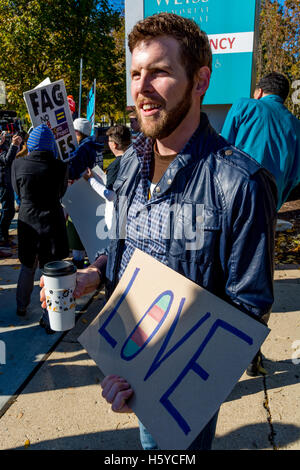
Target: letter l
102 329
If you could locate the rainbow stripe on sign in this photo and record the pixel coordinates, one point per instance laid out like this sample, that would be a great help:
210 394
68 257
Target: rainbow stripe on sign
152 320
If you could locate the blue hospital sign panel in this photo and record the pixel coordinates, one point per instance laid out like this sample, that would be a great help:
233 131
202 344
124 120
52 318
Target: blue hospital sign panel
230 26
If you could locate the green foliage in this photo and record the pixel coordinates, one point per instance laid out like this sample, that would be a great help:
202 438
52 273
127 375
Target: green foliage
107 160
279 43
48 39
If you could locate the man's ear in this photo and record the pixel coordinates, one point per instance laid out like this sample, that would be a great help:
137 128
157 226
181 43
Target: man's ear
258 93
202 80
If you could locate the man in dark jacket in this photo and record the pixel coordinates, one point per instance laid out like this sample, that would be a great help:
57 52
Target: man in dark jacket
86 153
40 180
119 139
7 198
222 234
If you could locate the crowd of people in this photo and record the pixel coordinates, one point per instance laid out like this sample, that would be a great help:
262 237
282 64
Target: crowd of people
33 181
241 177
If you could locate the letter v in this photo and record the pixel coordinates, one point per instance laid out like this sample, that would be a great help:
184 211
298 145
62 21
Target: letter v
159 359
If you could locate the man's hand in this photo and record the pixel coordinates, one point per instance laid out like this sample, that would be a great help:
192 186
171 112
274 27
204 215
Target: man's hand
2 137
87 280
117 391
16 140
88 174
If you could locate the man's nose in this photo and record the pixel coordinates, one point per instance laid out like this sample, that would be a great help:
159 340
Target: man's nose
144 84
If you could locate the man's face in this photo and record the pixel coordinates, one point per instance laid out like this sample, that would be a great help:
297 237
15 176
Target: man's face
78 136
112 145
160 87
134 124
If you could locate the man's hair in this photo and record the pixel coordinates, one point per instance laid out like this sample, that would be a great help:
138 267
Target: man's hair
275 83
194 44
120 135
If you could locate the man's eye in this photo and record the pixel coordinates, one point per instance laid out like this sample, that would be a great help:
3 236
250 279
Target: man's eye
160 72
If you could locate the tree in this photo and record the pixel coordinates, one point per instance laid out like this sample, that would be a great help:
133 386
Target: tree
272 56
292 45
279 42
112 94
48 39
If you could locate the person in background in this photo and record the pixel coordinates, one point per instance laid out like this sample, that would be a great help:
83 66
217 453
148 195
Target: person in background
22 152
7 198
84 156
134 125
40 180
80 159
267 131
23 149
119 139
72 106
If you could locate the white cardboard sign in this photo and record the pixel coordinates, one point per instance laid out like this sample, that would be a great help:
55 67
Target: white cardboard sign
48 104
181 348
90 213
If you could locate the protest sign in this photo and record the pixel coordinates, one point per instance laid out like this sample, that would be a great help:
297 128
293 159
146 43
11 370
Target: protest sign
48 104
181 348
90 213
47 81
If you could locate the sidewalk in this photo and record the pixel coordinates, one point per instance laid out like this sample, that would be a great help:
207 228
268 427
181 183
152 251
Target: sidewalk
50 397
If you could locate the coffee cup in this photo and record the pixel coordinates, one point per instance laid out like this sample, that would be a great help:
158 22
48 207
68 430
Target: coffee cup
59 282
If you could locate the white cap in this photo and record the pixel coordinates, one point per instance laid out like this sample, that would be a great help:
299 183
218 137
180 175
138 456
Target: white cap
83 125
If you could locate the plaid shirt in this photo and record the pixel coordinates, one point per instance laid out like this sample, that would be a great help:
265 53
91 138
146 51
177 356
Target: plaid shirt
147 219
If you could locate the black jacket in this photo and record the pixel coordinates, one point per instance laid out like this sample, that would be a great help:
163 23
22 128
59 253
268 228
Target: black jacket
7 156
40 181
112 172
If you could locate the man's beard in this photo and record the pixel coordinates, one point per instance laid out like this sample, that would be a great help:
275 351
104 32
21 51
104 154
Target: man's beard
168 121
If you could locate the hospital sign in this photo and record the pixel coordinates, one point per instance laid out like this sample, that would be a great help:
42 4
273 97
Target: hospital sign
231 27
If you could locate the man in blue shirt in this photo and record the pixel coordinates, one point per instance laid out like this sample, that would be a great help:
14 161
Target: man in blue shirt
266 130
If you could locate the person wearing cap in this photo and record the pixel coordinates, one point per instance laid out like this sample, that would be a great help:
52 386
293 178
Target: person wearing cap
86 153
72 106
40 180
82 158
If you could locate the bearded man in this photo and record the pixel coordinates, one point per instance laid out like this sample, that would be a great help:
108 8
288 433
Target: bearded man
222 232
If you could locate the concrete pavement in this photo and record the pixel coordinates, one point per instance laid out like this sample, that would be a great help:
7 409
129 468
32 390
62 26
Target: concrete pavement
51 398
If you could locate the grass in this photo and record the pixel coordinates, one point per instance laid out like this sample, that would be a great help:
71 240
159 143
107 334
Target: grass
107 159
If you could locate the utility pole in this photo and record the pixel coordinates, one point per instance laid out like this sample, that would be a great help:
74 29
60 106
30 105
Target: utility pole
80 85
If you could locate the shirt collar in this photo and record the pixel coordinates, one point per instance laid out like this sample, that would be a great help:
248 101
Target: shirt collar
273 98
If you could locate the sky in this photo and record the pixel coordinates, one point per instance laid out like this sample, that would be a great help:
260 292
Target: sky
117 4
